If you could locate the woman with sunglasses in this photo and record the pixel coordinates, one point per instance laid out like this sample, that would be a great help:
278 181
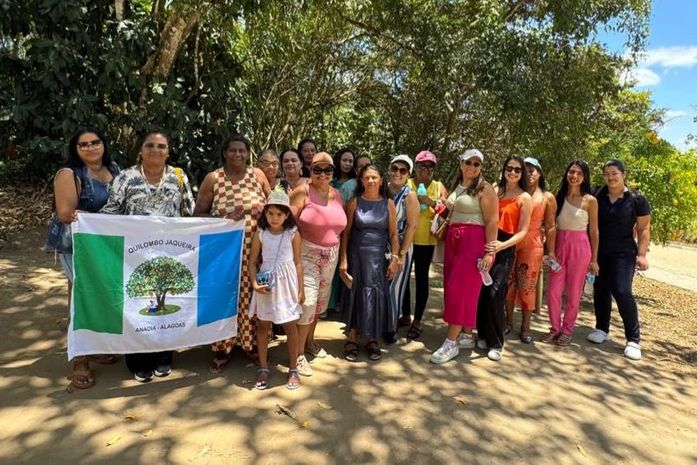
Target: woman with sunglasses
321 219
292 168
424 241
621 213
82 184
515 209
522 286
473 223
575 247
236 191
407 211
151 187
369 259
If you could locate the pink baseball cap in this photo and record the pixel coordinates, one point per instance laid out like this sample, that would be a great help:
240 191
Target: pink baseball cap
425 156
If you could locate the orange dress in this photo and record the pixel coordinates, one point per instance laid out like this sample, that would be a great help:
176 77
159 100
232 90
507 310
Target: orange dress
522 285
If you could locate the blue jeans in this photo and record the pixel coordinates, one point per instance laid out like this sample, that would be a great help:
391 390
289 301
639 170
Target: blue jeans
615 280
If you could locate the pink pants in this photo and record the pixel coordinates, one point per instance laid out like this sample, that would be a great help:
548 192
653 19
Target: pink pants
462 283
573 251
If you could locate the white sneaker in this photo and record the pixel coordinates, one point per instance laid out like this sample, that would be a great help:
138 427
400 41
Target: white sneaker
304 368
632 351
445 353
465 341
598 336
494 354
481 344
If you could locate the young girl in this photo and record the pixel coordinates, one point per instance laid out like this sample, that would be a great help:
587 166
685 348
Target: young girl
278 298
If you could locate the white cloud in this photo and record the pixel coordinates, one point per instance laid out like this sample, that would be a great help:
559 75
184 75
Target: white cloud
670 57
641 77
673 114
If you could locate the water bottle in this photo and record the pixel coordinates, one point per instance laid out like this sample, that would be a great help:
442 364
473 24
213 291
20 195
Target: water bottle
422 191
551 263
486 277
588 287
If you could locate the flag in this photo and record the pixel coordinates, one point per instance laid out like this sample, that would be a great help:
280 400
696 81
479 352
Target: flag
148 284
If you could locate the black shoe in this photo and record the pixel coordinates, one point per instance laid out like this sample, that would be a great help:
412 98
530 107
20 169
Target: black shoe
391 338
143 376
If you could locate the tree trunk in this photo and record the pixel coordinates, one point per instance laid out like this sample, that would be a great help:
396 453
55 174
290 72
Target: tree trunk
161 301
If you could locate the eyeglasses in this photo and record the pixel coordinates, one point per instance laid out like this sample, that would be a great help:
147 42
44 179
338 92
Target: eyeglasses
152 145
426 166
399 169
267 164
93 143
476 164
513 169
318 170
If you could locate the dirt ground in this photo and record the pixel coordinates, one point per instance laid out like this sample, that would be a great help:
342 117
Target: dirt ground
580 405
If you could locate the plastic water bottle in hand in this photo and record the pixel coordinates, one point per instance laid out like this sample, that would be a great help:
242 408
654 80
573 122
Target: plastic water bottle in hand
588 286
421 191
551 263
486 277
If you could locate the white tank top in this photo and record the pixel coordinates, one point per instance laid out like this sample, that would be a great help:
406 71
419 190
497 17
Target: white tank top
572 218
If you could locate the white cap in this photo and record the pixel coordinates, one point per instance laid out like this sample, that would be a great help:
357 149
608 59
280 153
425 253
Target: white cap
404 159
278 197
472 153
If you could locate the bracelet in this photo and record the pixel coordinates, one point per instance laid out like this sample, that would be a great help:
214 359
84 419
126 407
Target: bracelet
395 257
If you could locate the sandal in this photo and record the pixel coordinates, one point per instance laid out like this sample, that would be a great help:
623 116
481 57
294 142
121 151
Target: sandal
220 360
404 321
549 338
351 351
262 379
82 377
104 359
374 352
414 332
293 379
525 337
508 328
564 340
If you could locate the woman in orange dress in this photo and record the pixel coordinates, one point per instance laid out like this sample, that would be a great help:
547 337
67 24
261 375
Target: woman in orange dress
522 286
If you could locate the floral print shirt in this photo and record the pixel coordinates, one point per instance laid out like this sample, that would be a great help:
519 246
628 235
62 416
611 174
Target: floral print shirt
132 194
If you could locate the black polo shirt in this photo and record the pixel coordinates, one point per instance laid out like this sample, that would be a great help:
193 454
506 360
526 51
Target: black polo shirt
616 222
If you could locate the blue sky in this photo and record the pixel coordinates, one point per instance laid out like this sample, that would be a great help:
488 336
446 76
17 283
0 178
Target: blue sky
669 67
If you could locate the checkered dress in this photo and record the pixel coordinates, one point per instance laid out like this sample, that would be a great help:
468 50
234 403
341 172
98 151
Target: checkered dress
228 197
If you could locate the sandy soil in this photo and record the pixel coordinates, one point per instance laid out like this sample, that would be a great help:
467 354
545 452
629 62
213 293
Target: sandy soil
580 405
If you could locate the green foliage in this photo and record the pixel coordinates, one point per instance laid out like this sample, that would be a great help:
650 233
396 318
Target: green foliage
160 276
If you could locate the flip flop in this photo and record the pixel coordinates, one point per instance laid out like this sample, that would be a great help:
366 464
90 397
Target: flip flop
262 379
82 379
293 380
220 361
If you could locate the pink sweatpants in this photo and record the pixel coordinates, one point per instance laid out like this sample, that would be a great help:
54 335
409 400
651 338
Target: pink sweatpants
574 254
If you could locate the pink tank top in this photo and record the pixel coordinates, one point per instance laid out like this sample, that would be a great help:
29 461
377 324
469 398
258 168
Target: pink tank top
321 221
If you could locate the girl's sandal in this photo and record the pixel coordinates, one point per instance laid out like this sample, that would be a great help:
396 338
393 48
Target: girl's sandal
351 351
564 340
293 379
262 379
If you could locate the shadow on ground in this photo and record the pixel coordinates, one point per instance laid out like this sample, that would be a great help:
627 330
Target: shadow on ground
540 404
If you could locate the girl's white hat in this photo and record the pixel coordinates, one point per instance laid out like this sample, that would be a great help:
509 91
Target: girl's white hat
278 197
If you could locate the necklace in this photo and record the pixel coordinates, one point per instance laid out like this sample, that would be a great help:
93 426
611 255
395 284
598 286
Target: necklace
159 183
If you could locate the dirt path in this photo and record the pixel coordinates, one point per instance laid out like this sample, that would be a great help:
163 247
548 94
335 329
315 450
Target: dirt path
581 405
673 264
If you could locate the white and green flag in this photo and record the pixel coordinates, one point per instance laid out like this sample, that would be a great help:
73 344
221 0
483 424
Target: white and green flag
148 284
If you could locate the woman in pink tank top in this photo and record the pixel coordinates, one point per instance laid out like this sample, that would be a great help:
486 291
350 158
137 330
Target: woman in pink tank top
321 219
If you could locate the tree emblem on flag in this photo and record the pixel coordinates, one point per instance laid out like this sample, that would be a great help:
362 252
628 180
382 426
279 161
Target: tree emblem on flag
160 276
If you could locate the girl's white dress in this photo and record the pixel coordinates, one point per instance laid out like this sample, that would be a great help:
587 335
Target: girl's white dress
281 305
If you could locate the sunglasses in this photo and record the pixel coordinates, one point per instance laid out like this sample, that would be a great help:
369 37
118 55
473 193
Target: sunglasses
93 143
152 145
513 169
318 170
267 164
426 166
399 169
476 164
